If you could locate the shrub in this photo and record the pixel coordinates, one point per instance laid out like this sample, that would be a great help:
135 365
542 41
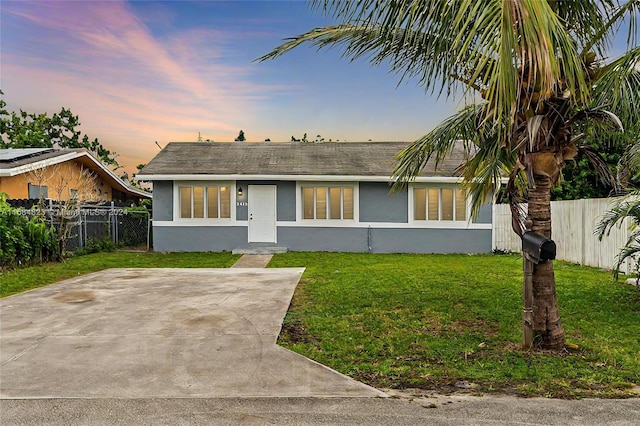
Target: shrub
25 238
97 245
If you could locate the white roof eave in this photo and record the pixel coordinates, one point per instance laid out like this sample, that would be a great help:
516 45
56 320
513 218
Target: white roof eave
343 178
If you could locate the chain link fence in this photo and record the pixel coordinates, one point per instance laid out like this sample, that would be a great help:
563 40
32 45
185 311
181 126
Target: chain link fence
133 229
87 225
125 228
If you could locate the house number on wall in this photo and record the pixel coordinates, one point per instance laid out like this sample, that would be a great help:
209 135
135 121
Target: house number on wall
242 203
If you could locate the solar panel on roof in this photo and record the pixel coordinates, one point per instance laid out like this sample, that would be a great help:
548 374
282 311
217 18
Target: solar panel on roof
13 154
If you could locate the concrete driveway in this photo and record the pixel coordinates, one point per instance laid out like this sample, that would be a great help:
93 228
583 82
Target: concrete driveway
152 333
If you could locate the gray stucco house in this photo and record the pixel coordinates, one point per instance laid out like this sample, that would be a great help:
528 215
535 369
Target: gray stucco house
331 196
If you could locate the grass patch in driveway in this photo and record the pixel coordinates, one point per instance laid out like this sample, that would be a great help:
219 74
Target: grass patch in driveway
452 323
22 279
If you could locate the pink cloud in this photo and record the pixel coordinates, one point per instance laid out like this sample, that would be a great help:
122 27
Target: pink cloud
105 31
128 87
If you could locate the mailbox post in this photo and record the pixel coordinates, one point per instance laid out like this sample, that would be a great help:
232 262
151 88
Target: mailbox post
536 248
527 303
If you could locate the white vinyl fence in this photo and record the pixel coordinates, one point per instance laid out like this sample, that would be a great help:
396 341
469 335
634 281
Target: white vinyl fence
572 228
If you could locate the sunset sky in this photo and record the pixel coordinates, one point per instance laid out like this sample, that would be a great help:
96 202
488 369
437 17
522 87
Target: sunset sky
142 71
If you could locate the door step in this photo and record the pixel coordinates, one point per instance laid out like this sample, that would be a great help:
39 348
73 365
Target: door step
259 250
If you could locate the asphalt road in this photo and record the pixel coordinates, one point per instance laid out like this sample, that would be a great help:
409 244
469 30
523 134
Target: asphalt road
443 410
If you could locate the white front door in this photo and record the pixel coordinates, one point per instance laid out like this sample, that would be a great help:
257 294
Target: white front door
262 213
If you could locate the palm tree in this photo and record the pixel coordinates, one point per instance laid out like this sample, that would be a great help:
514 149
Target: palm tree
624 212
538 88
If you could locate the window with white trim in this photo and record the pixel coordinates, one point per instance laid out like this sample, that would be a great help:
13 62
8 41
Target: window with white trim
439 204
327 202
205 201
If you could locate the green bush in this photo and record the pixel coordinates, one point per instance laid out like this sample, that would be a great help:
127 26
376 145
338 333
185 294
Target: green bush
25 239
95 246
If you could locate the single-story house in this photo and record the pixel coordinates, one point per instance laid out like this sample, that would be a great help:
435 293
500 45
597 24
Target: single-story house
332 196
48 173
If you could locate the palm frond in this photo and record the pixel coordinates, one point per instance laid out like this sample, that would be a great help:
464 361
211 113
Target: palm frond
585 18
533 30
601 167
425 60
605 21
516 193
494 44
462 127
629 163
625 212
630 249
597 114
487 163
590 21
534 124
627 207
618 87
484 171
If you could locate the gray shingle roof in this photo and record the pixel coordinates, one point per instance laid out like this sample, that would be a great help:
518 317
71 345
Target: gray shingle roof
9 159
297 158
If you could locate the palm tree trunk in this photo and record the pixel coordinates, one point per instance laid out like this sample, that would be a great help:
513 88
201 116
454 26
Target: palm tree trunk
547 328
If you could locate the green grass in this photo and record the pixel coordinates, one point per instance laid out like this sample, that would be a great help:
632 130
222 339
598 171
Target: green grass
22 279
436 321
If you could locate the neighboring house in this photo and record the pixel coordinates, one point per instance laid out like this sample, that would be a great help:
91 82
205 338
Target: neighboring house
49 173
307 197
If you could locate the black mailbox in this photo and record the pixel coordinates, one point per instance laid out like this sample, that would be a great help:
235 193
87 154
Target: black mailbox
538 248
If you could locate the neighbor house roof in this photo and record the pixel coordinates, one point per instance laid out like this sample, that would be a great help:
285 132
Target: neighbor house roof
14 162
199 160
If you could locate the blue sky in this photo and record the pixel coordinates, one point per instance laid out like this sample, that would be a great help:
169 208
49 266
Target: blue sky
142 71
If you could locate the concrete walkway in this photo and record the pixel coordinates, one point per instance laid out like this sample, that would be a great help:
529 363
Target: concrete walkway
253 261
151 333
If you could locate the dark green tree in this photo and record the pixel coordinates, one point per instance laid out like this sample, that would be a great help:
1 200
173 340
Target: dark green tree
580 179
23 129
240 137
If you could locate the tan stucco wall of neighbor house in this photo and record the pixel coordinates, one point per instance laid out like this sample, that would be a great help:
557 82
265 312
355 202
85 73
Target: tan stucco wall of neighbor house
14 186
59 179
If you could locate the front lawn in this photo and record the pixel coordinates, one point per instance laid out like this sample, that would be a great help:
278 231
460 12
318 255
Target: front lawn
453 323
23 279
